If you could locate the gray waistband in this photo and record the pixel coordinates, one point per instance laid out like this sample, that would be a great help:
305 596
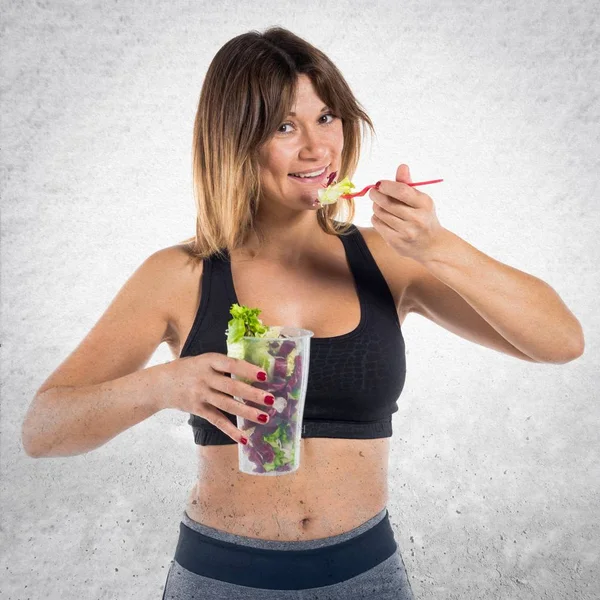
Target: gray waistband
278 544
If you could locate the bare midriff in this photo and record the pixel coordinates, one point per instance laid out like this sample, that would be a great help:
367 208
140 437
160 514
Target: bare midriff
341 483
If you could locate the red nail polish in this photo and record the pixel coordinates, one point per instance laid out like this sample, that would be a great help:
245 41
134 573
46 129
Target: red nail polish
262 418
244 441
262 376
270 400
378 184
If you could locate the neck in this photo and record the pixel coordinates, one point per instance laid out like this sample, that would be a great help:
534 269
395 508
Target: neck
289 242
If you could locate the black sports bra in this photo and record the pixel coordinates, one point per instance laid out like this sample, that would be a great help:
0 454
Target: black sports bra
354 379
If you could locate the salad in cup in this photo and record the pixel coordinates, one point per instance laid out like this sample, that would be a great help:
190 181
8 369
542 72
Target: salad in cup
271 447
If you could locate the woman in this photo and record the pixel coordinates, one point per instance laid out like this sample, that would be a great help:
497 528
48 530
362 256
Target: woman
271 106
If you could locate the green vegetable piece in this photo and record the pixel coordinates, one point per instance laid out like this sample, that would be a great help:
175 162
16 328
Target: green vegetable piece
284 452
245 322
291 362
331 193
258 354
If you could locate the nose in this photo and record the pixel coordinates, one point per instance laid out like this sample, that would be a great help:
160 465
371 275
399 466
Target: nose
314 151
314 140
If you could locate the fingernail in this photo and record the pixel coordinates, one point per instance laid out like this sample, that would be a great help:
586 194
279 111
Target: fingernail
244 441
378 184
262 376
270 400
263 418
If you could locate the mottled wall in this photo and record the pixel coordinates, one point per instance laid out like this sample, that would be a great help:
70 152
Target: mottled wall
494 473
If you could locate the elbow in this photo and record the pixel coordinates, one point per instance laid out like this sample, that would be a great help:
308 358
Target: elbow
569 351
31 449
575 351
578 351
33 454
578 346
31 441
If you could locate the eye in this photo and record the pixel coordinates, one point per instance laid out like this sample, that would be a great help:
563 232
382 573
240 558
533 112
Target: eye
333 118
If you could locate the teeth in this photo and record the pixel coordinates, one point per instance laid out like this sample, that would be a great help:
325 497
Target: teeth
314 174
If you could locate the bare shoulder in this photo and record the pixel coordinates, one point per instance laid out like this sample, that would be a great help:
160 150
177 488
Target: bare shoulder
135 323
176 260
179 274
177 252
398 271
173 268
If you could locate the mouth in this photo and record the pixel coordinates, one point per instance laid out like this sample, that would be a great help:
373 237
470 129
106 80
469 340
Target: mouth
317 179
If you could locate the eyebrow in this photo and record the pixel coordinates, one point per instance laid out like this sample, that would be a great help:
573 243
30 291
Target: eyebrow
293 114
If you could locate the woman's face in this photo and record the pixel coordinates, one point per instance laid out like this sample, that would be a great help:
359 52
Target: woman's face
306 142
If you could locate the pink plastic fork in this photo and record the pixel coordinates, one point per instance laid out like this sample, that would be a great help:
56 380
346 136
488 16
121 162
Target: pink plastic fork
376 186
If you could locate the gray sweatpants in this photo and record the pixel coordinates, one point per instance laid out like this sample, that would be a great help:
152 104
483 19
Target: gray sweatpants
362 564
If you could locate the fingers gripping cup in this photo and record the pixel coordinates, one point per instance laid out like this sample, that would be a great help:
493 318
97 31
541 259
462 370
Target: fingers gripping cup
283 352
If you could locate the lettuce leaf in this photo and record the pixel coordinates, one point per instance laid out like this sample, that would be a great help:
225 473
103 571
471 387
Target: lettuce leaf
331 193
245 322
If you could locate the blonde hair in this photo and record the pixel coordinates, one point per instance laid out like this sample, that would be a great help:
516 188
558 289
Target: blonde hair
247 93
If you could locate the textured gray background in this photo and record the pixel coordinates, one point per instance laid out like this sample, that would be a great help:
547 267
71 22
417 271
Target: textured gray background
494 474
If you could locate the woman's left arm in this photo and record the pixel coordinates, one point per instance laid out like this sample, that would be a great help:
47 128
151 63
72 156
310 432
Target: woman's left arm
523 309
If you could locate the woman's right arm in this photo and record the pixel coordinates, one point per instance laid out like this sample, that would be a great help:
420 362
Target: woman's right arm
102 388
66 421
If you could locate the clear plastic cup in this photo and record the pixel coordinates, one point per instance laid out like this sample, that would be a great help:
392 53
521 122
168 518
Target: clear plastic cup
274 447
